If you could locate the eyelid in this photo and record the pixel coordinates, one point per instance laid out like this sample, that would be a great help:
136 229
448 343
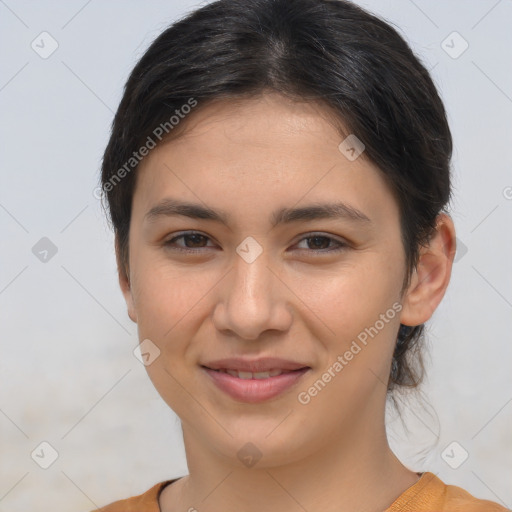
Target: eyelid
341 243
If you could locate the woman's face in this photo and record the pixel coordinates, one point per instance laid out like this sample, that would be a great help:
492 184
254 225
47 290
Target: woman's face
266 276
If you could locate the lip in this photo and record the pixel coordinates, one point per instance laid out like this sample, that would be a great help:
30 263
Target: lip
263 364
255 390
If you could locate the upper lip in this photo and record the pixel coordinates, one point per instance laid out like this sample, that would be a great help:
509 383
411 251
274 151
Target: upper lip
263 364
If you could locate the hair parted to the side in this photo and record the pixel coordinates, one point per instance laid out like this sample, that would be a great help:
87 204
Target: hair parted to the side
330 51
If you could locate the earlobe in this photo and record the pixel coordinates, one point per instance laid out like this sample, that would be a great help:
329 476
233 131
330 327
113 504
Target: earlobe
432 275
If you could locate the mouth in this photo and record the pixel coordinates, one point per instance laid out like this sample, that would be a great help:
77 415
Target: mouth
254 387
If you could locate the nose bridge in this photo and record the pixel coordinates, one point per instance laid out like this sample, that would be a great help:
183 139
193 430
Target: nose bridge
252 281
252 301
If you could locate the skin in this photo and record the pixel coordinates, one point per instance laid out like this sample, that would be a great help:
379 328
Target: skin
296 301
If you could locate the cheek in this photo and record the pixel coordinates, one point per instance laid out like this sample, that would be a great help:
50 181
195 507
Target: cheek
169 313
360 309
170 302
351 299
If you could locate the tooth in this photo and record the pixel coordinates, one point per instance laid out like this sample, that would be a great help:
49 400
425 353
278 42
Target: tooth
261 375
254 375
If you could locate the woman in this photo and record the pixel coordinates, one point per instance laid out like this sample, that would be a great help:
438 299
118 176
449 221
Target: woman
277 178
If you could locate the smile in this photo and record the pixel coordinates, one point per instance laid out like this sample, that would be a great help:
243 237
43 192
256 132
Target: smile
254 387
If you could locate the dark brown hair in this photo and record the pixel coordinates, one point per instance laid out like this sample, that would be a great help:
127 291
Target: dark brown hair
318 50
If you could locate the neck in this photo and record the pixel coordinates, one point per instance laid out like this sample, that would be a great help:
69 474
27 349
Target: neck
352 472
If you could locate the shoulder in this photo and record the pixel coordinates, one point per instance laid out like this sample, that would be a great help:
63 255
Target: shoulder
431 493
145 502
459 500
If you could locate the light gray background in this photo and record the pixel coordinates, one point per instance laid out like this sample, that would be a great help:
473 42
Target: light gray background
68 374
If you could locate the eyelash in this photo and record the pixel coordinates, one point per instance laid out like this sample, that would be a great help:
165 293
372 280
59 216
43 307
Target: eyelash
341 245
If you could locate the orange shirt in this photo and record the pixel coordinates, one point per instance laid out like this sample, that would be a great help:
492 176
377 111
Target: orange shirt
428 494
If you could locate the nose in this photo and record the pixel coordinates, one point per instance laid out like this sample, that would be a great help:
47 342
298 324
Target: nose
253 299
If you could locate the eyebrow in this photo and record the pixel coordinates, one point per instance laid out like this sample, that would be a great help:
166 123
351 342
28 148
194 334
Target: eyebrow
173 207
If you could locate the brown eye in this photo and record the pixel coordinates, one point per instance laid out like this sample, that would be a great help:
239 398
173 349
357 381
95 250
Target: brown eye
192 241
321 243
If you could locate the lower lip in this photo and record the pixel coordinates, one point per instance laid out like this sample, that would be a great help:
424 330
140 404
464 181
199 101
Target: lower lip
254 390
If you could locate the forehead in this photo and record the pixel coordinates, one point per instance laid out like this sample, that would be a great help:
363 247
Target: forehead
256 121
257 151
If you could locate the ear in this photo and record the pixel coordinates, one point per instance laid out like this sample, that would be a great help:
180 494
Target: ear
432 274
124 282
